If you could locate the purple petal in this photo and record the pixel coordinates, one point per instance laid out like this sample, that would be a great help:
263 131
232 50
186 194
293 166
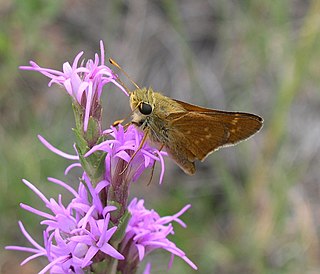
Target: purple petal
57 151
66 172
111 251
32 257
36 211
64 185
22 248
50 265
91 252
102 52
102 185
141 251
36 191
106 236
76 60
29 238
88 107
147 270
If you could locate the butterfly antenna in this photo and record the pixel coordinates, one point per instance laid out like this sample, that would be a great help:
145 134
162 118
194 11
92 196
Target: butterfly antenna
123 85
118 66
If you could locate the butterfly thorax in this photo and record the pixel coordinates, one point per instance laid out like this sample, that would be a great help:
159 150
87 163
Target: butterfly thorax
150 113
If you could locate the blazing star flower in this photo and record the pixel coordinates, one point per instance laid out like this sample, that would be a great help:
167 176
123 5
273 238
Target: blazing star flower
120 150
125 162
83 83
82 233
75 233
147 231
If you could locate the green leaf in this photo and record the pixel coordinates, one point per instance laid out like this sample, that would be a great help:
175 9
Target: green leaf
94 166
121 230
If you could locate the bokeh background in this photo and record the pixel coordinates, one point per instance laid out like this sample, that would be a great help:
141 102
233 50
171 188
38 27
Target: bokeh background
255 207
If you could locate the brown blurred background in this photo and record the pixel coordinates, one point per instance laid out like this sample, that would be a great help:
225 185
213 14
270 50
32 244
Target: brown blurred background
255 207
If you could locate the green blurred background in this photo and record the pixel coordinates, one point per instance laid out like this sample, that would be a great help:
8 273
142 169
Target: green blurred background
255 207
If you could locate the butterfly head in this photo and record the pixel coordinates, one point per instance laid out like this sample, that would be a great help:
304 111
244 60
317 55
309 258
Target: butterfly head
142 104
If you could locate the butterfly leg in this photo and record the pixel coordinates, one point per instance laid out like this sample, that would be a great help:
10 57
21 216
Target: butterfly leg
117 122
145 136
153 166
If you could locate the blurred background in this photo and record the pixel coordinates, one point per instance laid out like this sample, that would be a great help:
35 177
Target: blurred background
255 207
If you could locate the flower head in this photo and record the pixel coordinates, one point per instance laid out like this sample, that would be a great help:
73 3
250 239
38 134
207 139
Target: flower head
147 231
125 162
120 150
74 233
84 83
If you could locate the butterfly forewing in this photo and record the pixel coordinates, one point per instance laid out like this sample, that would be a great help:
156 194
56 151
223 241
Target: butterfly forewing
198 134
201 133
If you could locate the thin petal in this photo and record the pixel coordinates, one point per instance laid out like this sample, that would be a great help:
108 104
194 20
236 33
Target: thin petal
64 185
91 252
88 107
111 251
67 170
29 238
36 191
57 151
141 251
36 211
50 265
147 270
102 52
22 248
32 257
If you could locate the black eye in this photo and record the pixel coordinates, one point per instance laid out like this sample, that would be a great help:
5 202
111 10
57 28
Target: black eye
145 108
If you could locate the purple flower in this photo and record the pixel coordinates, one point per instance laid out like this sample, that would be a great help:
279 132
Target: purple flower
84 83
125 162
90 229
74 233
119 153
147 231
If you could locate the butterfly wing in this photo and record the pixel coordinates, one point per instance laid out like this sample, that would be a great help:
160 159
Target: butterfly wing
240 125
200 131
195 108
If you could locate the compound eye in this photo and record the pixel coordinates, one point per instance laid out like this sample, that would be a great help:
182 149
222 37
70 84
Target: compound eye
145 108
